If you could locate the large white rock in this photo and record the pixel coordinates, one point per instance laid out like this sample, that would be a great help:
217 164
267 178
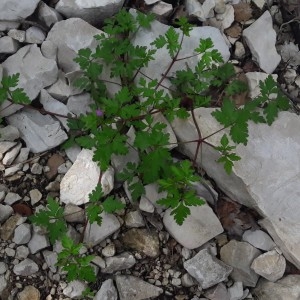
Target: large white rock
11 10
266 178
262 46
92 11
40 132
82 178
198 228
36 72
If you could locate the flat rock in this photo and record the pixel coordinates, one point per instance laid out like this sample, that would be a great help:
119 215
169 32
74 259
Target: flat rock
119 262
89 10
48 15
259 239
207 269
107 291
80 104
38 242
270 265
240 256
219 292
263 47
142 240
283 289
131 287
8 45
198 228
26 267
40 132
255 180
9 133
36 72
11 154
17 10
82 178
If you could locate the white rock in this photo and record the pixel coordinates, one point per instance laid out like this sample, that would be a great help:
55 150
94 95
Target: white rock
146 205
18 35
218 292
207 269
40 132
259 3
150 2
131 287
73 152
12 170
3 283
22 252
254 79
23 155
109 250
94 12
36 72
290 53
74 289
7 25
6 146
152 194
270 265
95 234
5 212
162 9
11 198
8 45
261 46
38 242
49 50
55 106
34 35
50 259
198 228
26 267
48 15
226 18
259 239
201 11
22 234
9 133
74 213
17 10
11 154
35 196
290 76
107 291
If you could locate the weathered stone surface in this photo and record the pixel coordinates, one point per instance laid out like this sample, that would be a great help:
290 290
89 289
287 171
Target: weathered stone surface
11 154
257 182
259 239
95 234
120 262
107 291
74 213
48 15
270 265
9 133
34 35
263 47
142 240
16 10
130 287
94 12
207 269
29 293
22 234
38 242
74 289
134 219
240 256
200 11
8 45
26 267
7 229
82 178
40 132
80 104
36 72
5 212
198 228
219 292
285 288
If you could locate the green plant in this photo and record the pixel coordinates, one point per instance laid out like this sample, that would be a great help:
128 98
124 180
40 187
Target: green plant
136 103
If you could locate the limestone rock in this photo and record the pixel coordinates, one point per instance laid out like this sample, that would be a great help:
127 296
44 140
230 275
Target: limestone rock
134 219
40 132
259 239
5 212
261 46
8 45
198 228
130 287
120 262
26 267
240 256
34 35
207 269
9 133
80 104
107 291
74 289
48 15
22 234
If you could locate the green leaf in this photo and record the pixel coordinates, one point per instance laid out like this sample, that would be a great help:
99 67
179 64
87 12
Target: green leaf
184 25
111 205
227 115
204 45
86 141
180 213
9 82
93 212
239 133
96 194
145 19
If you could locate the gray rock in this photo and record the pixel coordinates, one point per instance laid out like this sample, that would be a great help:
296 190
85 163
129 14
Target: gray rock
146 205
3 283
11 154
109 250
120 262
95 234
29 292
283 289
22 252
74 213
9 133
3 267
26 267
219 292
8 45
130 287
17 10
38 242
11 198
40 132
270 265
263 48
207 269
198 228
34 35
240 256
36 72
73 152
236 291
50 259
48 15
259 239
12 170
6 146
36 168
152 194
107 291
22 234
35 196
187 280
80 104
74 289
162 9
8 228
90 11
200 11
134 219
5 212
23 155
49 50
18 35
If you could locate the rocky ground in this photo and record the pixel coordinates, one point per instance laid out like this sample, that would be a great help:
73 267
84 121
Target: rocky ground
243 244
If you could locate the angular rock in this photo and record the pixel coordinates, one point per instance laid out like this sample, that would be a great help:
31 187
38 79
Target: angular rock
11 155
36 72
162 9
134 219
48 15
254 181
142 240
40 132
5 212
35 196
240 256
270 265
18 35
219 292
236 291
107 291
95 234
34 35
263 48
91 11
109 250
80 104
38 242
74 213
22 234
3 283
207 269
198 228
73 152
8 45
17 10
6 146
26 267
9 133
120 262
259 239
200 11
152 194
74 289
283 289
82 178
11 198
50 259
130 287
49 50
23 155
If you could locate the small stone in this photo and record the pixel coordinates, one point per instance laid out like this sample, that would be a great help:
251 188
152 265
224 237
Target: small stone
176 281
8 45
29 293
22 252
34 35
35 196
36 169
236 291
74 289
120 262
26 267
134 219
22 234
11 198
74 214
7 229
5 212
218 292
107 291
109 250
259 239
53 163
99 261
18 35
10 156
239 50
38 242
187 280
